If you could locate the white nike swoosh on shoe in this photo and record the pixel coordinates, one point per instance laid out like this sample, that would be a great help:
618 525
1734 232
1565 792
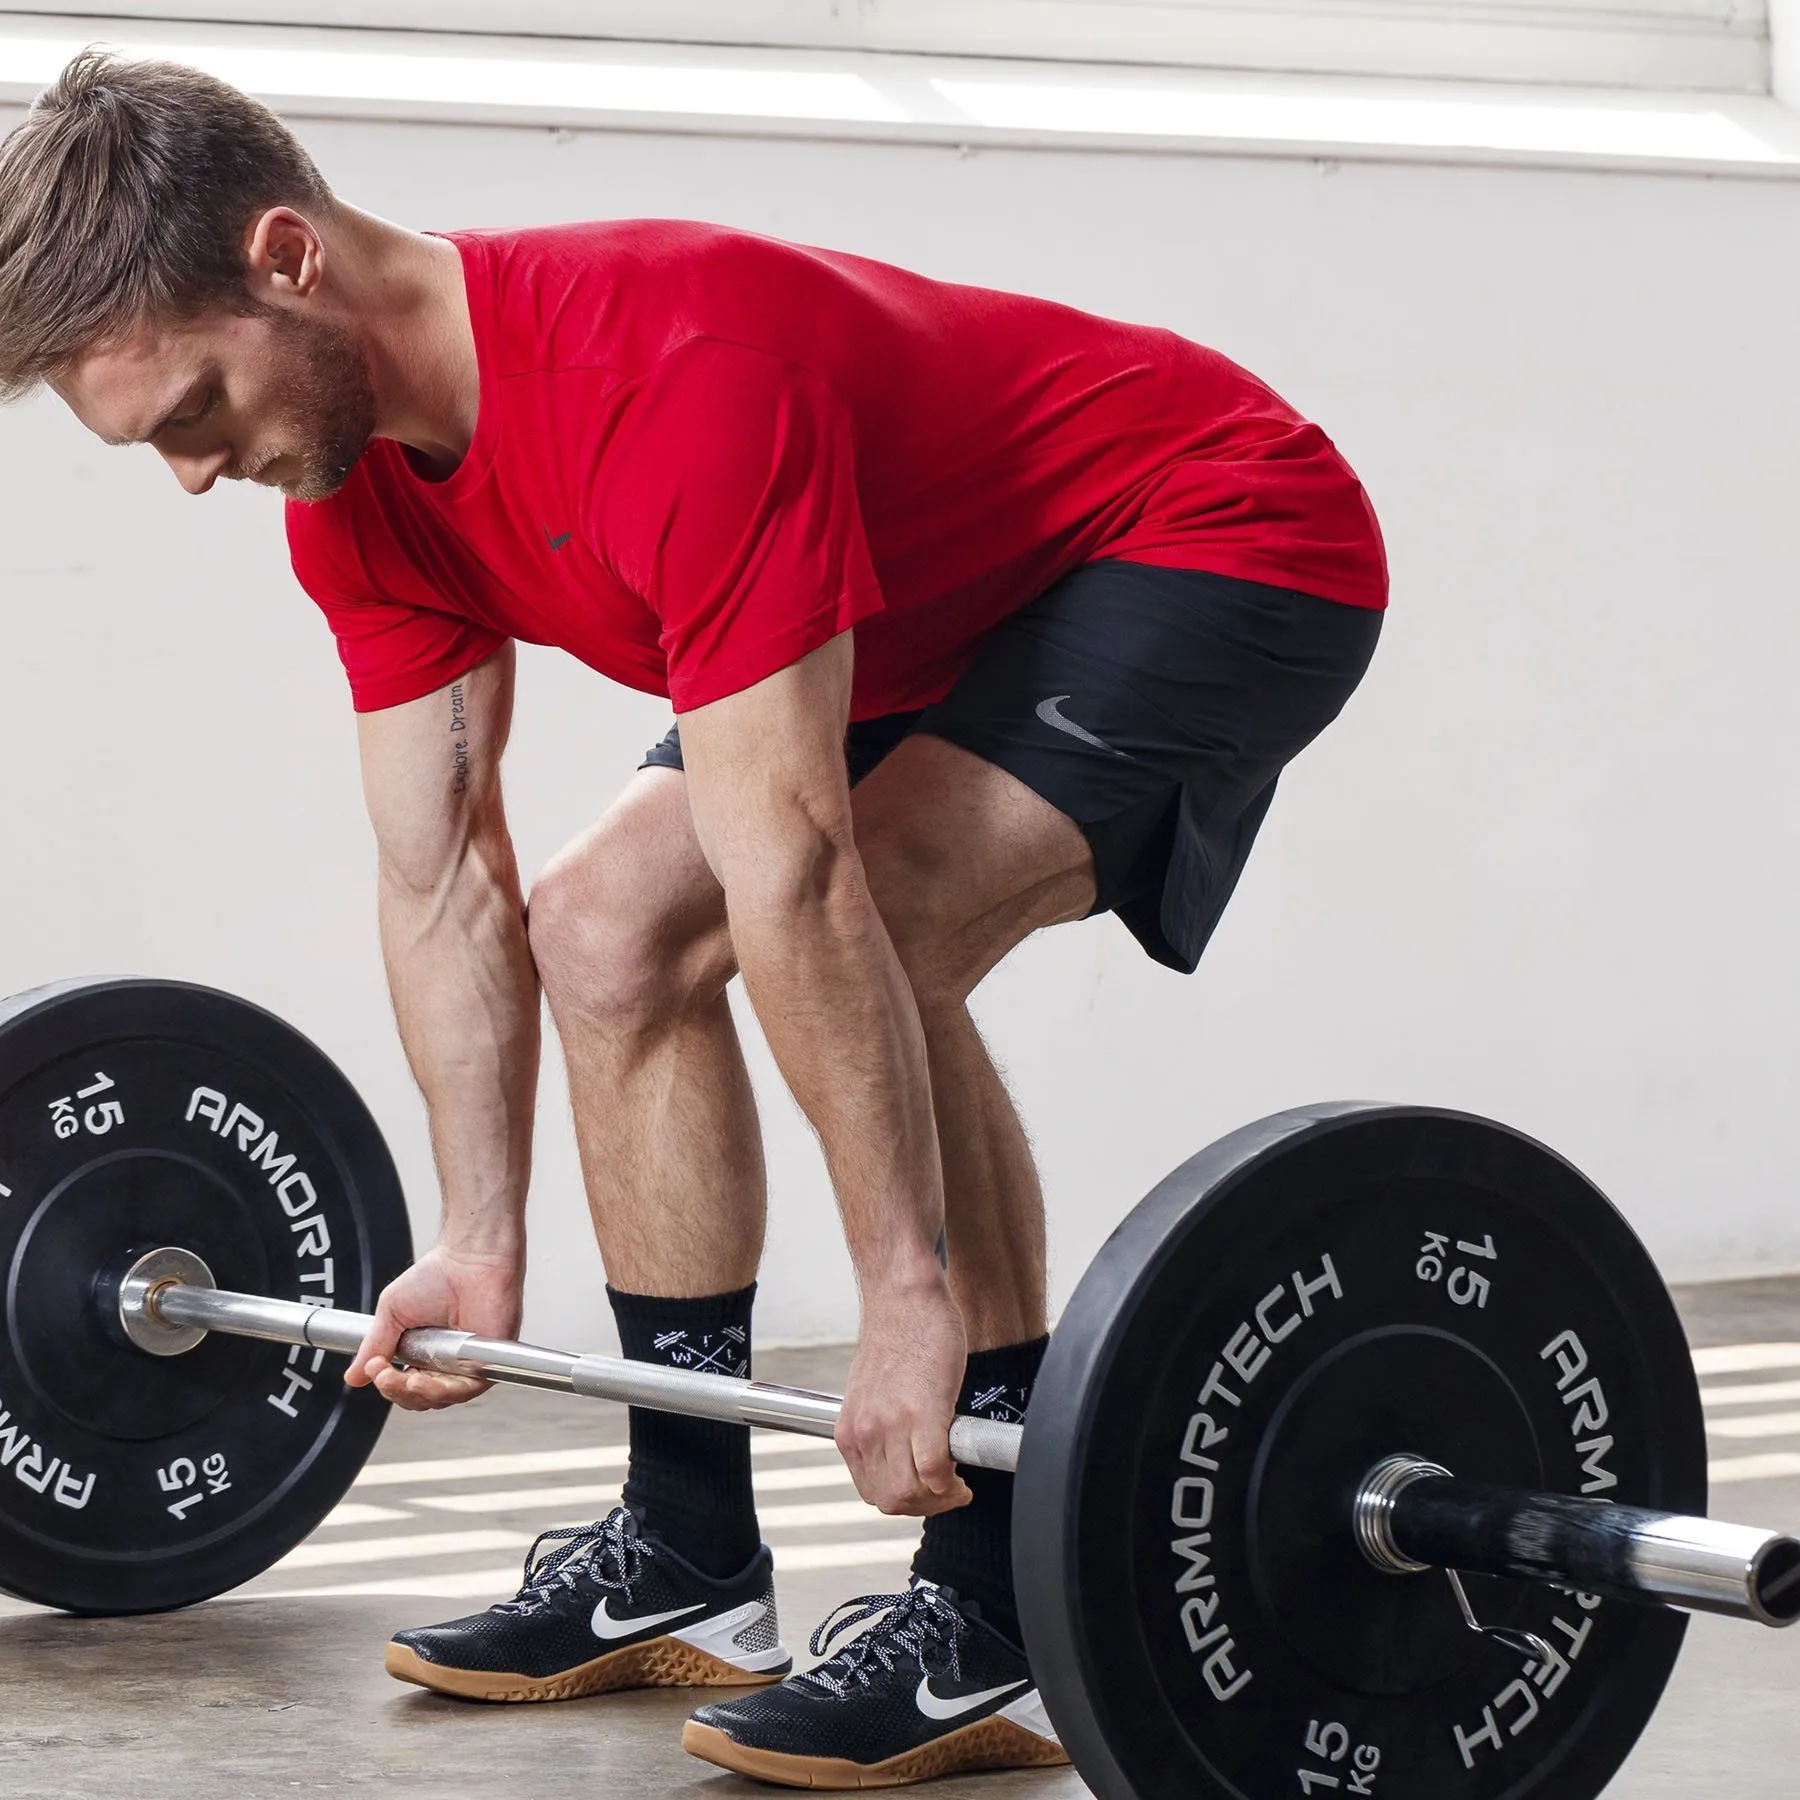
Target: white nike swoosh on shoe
608 1627
935 1706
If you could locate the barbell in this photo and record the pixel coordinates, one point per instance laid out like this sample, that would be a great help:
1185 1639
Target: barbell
1367 1457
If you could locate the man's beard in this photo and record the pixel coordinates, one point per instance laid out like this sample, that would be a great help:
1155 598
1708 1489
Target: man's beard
332 400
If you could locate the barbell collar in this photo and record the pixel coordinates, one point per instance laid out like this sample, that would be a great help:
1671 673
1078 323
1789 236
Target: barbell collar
1411 1515
148 1307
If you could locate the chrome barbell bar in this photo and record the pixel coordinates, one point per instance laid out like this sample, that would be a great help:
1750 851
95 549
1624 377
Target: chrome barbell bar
168 1302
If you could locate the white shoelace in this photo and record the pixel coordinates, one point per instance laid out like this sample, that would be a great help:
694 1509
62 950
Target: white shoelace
920 1624
609 1552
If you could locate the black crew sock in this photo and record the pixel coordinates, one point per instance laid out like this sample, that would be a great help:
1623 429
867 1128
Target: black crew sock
689 1480
970 1549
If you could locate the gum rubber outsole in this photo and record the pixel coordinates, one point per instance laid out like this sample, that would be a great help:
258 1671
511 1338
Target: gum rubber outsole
663 1662
990 1743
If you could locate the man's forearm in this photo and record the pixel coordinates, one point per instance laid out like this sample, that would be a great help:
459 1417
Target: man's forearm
465 996
841 1021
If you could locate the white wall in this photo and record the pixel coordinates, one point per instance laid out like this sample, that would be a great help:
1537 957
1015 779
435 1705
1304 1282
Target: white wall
1544 867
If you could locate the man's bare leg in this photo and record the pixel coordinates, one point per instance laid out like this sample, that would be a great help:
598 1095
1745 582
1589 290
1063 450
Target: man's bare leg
628 926
965 863
994 1210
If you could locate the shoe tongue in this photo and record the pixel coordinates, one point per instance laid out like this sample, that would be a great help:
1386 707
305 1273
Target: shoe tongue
970 1609
622 1525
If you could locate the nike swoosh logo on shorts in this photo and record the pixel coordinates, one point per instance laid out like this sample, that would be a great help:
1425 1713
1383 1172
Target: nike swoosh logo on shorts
556 543
934 1706
607 1627
1050 711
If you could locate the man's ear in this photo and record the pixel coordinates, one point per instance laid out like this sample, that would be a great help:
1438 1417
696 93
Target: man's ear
284 256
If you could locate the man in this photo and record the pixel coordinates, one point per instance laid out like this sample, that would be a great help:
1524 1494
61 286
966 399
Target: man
977 613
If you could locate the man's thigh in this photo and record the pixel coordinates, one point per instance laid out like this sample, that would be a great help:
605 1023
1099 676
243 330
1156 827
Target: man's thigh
964 860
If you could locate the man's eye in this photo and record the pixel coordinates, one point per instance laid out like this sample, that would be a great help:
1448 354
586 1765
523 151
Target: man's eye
198 413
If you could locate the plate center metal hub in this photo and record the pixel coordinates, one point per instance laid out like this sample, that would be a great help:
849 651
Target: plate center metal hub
1408 1387
63 1323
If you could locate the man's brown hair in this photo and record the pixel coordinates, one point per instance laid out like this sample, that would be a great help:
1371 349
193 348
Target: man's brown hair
124 197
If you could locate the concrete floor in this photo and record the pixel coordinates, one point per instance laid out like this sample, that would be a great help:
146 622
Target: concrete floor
278 1690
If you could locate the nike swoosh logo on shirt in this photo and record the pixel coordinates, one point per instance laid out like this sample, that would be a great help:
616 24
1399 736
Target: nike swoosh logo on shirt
1050 711
556 543
935 1706
607 1627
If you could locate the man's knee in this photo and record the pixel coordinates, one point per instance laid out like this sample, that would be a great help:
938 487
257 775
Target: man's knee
622 940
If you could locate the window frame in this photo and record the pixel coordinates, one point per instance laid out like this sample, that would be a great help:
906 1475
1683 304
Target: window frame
1700 45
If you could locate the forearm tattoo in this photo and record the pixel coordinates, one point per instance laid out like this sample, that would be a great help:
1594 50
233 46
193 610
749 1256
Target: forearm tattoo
459 740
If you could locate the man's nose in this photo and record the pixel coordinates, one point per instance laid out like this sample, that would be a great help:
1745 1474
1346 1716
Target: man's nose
198 473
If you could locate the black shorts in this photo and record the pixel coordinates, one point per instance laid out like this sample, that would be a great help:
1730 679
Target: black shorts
1154 707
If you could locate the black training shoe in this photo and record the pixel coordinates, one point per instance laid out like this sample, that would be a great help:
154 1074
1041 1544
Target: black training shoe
603 1608
929 1689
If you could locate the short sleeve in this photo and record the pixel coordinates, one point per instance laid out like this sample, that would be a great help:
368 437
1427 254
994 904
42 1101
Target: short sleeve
393 651
726 499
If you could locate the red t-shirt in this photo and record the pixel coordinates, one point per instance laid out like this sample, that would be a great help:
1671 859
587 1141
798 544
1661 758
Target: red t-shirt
701 453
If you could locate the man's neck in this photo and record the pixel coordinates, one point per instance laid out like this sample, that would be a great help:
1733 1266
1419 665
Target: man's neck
405 295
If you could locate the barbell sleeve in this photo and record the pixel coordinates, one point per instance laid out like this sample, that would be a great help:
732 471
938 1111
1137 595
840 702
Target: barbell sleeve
1412 1515
194 1306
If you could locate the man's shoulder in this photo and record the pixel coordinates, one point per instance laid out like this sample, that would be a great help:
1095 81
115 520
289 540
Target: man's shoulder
608 262
582 242
620 293
324 538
